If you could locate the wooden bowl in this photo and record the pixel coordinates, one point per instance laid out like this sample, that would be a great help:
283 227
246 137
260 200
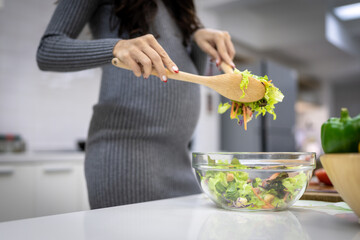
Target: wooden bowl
343 170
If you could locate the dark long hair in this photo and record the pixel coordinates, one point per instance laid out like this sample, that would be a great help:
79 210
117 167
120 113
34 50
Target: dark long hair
135 16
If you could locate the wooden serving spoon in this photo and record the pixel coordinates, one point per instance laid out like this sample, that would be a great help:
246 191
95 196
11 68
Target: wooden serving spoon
228 84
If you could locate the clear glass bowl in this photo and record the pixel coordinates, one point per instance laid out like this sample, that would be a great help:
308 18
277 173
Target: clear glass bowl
254 181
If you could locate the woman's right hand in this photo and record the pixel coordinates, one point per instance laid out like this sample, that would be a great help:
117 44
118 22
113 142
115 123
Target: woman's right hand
142 53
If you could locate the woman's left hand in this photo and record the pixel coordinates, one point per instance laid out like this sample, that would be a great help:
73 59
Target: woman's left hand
217 44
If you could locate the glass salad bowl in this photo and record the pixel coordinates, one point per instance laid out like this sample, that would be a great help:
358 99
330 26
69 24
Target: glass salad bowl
254 181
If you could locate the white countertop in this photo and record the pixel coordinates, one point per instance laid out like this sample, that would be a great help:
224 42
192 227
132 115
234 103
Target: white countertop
191 217
42 156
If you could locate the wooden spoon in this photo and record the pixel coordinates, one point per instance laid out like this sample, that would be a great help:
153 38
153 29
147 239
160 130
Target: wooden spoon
228 84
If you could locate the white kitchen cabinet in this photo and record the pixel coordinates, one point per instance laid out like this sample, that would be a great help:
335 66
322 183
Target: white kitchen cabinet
41 184
57 188
16 191
84 200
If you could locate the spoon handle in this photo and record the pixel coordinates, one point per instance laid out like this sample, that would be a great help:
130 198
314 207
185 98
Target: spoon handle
226 67
182 76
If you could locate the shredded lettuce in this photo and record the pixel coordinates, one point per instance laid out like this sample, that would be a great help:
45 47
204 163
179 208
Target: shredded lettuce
265 105
245 80
293 184
257 182
232 192
222 108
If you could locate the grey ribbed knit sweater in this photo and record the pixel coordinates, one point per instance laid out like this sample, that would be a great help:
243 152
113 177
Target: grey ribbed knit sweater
140 129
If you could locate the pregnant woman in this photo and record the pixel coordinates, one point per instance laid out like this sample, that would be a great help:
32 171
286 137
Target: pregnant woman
137 145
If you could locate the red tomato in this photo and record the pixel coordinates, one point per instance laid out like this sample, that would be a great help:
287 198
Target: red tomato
322 176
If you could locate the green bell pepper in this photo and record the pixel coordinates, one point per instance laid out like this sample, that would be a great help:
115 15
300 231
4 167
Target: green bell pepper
341 135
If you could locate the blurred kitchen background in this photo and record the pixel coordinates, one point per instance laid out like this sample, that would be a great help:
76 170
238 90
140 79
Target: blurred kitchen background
311 50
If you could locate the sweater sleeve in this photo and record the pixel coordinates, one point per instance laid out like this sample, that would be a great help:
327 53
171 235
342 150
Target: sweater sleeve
59 50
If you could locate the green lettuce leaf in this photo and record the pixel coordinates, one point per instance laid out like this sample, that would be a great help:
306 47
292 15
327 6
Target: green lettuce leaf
231 192
295 184
222 108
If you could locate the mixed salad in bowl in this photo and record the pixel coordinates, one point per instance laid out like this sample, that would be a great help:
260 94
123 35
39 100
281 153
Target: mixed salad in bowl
236 186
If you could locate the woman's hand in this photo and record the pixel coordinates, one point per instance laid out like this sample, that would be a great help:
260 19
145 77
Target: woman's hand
142 53
217 44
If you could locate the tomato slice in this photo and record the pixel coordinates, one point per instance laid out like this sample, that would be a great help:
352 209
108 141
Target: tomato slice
322 176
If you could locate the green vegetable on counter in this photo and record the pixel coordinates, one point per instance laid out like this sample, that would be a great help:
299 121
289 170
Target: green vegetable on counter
341 135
